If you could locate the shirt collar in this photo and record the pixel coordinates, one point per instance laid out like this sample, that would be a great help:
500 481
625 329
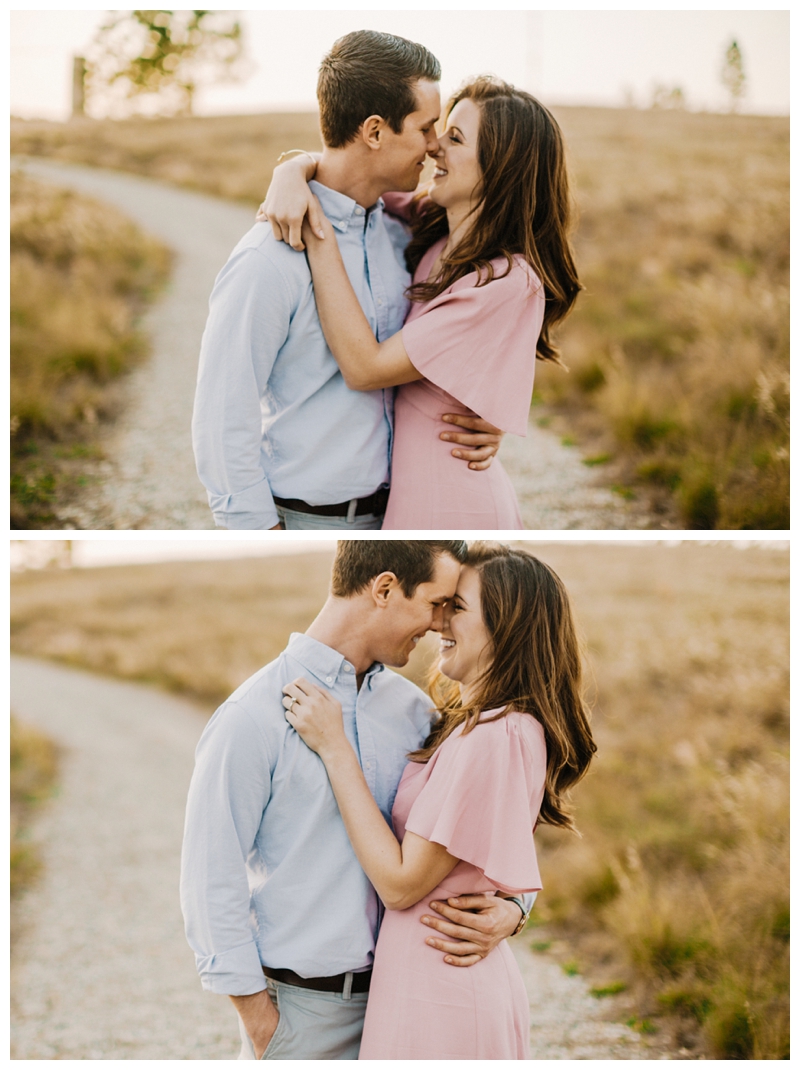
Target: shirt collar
342 210
323 661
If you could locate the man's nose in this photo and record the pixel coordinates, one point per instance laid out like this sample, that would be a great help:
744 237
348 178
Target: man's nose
434 146
438 619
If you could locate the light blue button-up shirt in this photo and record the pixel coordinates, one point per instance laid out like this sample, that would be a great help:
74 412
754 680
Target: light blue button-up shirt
268 874
273 415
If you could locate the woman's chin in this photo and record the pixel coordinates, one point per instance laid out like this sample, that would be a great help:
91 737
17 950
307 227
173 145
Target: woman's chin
443 667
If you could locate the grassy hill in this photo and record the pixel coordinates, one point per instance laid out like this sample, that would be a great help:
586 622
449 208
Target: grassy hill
81 274
678 888
678 350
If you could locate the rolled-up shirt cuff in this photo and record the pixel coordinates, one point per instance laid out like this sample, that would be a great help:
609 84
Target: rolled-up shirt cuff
250 509
237 972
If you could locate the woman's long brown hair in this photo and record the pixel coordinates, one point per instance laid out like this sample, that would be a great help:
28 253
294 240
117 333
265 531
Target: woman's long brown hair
535 669
525 205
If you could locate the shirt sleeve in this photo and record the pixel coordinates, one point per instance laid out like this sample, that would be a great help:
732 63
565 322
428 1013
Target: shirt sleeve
478 343
481 801
229 792
248 323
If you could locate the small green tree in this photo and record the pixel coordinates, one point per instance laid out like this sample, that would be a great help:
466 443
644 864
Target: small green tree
733 76
664 97
151 62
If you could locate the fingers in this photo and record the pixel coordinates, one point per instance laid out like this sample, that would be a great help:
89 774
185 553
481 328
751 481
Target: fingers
480 459
295 240
471 423
299 688
316 216
457 948
455 932
481 447
474 424
470 960
463 926
471 438
286 230
485 453
480 466
473 917
476 901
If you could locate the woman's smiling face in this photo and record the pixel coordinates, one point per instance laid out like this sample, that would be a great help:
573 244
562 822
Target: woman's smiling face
457 178
466 647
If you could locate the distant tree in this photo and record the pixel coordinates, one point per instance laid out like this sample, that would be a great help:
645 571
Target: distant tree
733 76
152 62
664 97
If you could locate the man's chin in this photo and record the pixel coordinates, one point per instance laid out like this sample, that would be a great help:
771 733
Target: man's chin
408 186
398 659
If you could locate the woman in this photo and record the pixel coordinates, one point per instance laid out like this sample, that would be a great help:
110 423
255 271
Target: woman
492 275
512 738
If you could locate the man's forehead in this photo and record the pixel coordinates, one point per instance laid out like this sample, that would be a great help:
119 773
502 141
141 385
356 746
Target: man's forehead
445 577
428 102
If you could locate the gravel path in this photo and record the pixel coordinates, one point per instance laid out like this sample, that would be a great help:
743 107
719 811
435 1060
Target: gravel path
149 480
556 490
101 969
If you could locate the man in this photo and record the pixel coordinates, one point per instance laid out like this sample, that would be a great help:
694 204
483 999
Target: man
279 439
279 913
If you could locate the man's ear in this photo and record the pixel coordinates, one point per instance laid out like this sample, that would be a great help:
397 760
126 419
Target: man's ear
372 130
382 588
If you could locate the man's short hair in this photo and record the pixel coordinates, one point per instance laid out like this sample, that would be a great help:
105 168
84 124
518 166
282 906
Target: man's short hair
359 561
370 73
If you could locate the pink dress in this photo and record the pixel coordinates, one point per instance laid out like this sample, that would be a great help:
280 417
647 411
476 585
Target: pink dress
476 347
478 796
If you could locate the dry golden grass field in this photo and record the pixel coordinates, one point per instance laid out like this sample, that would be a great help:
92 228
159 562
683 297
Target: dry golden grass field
80 274
678 349
678 888
34 766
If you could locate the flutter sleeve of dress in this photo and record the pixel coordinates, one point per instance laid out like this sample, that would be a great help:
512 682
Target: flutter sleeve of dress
482 798
478 343
399 204
403 205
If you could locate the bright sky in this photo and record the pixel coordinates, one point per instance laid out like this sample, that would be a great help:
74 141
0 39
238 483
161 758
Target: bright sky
95 553
565 57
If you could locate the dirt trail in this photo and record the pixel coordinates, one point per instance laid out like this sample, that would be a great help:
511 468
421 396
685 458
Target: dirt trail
149 479
101 969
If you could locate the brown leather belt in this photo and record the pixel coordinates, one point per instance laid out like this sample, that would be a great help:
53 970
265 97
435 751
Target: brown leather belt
321 984
373 503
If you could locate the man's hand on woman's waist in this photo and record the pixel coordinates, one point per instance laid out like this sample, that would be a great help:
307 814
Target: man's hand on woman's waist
475 925
482 439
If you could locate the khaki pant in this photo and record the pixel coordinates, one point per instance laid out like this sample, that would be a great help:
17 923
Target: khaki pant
313 1025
